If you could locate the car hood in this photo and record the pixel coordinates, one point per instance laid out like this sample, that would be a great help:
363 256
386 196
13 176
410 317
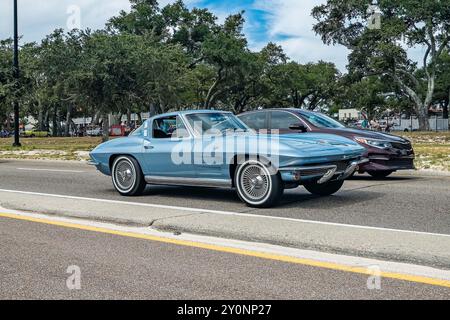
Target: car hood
349 132
318 146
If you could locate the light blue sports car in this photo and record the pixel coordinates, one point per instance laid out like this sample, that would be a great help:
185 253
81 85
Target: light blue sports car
215 149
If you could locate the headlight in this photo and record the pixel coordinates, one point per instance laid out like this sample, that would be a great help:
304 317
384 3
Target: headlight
374 143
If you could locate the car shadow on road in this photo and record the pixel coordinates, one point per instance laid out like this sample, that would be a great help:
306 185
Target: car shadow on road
193 193
392 178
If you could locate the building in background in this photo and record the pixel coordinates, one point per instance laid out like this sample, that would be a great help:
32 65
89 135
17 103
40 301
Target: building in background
350 114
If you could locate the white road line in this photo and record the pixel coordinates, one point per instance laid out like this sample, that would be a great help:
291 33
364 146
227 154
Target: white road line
50 170
228 213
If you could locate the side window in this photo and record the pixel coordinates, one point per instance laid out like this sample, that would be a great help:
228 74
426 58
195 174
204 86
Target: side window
282 120
169 127
256 121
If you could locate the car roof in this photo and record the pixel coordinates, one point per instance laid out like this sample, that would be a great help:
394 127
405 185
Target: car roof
293 110
187 112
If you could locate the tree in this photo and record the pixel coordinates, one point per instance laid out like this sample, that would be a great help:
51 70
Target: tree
302 86
381 52
442 94
7 82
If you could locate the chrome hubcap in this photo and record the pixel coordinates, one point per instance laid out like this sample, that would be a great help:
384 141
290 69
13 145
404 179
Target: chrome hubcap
254 182
125 176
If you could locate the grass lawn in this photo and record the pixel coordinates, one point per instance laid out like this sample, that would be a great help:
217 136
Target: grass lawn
432 149
49 148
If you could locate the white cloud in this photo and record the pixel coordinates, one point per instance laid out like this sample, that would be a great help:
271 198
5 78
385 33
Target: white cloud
291 21
38 18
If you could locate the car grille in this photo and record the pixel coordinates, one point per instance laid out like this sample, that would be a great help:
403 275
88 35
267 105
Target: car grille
401 163
402 146
313 172
341 167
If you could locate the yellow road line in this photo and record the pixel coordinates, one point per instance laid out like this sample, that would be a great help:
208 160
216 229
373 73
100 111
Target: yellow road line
249 253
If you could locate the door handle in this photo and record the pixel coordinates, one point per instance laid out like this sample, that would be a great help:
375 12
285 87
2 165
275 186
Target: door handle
148 145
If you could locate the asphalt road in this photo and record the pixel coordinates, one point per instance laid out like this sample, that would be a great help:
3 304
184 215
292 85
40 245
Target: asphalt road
404 201
34 258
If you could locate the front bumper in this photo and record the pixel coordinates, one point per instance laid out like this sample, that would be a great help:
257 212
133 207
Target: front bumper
382 163
322 173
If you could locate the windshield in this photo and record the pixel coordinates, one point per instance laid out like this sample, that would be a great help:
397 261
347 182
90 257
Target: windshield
321 121
215 123
138 132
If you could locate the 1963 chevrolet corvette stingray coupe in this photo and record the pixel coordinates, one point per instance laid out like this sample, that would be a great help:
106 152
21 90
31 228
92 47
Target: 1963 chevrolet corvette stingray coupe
215 149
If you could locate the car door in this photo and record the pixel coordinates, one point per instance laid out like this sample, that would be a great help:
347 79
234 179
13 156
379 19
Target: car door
168 148
258 121
280 121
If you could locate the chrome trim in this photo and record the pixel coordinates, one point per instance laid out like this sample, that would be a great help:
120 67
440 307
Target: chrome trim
362 161
349 171
192 130
327 176
379 158
93 163
184 121
352 168
307 168
198 182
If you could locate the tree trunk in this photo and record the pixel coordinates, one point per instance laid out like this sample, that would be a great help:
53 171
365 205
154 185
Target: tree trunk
46 121
8 121
58 124
55 123
422 114
128 117
153 110
68 121
41 117
105 127
210 94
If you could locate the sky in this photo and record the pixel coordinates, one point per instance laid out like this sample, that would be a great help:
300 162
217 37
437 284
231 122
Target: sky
286 22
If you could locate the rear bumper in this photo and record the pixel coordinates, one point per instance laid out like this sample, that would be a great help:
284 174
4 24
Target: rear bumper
322 173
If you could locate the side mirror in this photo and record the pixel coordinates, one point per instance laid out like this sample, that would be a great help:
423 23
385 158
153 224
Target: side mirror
298 127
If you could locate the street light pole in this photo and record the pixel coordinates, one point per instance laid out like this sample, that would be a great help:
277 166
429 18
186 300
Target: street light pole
16 77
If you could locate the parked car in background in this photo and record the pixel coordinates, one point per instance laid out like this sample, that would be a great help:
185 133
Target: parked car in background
117 130
4 133
35 134
94 131
386 153
218 150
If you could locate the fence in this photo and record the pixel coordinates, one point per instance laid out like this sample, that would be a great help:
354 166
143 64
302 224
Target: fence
412 124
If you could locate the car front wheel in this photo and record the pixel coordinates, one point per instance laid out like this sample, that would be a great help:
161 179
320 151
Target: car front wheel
326 189
127 176
256 186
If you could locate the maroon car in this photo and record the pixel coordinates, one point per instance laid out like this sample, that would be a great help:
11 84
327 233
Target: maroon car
387 153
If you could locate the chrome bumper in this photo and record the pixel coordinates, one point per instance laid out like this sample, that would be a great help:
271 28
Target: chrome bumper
93 163
327 172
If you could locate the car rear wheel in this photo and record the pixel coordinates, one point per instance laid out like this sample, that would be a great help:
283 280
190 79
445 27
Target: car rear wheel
256 186
326 189
380 174
127 176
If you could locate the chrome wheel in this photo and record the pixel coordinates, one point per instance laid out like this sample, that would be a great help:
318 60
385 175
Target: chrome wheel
254 183
124 175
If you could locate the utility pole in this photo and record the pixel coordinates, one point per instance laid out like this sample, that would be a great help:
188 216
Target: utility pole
16 77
